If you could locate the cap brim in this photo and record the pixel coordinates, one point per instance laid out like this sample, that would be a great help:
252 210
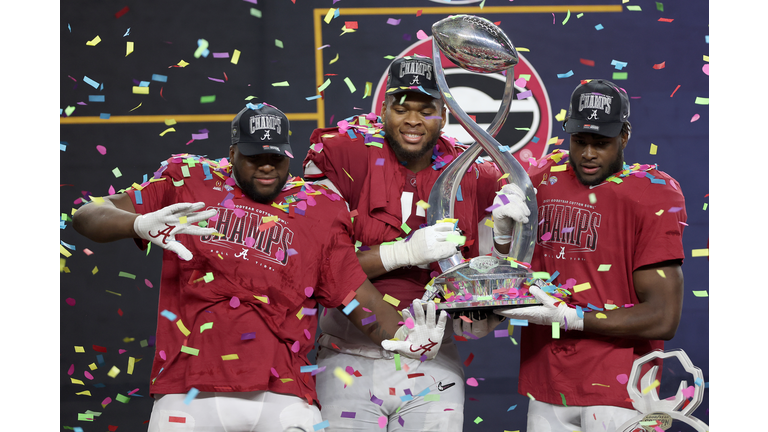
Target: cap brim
431 92
252 149
611 130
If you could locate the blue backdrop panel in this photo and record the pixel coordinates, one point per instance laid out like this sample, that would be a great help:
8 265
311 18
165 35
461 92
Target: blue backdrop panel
285 50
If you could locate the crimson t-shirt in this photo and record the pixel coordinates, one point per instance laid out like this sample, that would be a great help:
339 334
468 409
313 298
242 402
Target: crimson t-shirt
240 315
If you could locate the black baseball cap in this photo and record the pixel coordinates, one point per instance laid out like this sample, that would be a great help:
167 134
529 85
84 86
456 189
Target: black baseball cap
597 106
261 128
412 74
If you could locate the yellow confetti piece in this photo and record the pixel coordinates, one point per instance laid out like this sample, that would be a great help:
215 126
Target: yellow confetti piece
167 130
604 267
334 60
79 349
113 372
345 172
558 168
706 58
64 251
653 385
700 252
422 204
582 287
560 116
235 57
140 90
329 15
552 140
84 393
93 42
601 385
351 86
131 362
601 315
183 328
391 300
182 63
76 381
368 87
285 380
661 273
262 299
230 357
503 177
170 122
343 376
92 366
300 314
653 148
530 396
112 292
128 48
281 84
489 223
183 219
660 212
270 219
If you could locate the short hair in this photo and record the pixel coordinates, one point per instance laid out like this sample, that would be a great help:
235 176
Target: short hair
626 129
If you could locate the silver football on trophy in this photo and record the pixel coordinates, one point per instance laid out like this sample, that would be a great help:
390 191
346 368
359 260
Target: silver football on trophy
474 44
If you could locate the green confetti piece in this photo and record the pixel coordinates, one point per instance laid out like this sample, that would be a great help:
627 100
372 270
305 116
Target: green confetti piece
325 85
278 43
705 206
185 171
702 101
455 238
700 294
207 99
530 396
620 76
406 229
121 398
541 275
478 420
190 351
144 343
660 6
208 277
604 267
634 8
351 86
127 275
281 84
84 417
555 330
580 15
562 396
397 361
432 398
117 172
206 326
202 224
255 12
526 77
567 17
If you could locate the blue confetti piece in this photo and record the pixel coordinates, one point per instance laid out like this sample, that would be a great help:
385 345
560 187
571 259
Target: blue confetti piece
207 171
458 194
619 64
658 181
191 395
67 245
324 424
308 368
535 140
406 398
77 429
313 97
63 145
599 27
160 78
138 197
168 314
706 38
91 82
565 75
100 359
350 307
579 312
95 98
144 84
511 408
593 307
105 116
554 275
503 148
127 32
518 322
351 133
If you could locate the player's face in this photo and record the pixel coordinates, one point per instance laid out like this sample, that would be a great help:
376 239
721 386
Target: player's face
412 125
594 157
261 176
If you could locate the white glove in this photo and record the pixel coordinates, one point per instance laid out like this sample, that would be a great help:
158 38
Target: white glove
512 208
547 313
424 339
160 227
426 245
479 327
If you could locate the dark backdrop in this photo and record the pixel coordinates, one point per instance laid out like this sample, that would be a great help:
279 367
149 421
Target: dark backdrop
108 292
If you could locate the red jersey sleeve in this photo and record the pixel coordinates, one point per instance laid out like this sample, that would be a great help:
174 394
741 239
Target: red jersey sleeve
331 154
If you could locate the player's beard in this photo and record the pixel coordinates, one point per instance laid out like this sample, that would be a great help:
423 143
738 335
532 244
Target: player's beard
403 154
615 166
250 190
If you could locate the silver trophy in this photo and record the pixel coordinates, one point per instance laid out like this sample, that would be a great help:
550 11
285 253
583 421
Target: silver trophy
485 282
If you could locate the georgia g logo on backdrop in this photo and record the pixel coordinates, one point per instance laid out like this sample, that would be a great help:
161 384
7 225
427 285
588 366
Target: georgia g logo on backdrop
528 127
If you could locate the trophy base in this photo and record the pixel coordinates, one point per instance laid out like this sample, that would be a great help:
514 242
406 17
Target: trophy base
483 283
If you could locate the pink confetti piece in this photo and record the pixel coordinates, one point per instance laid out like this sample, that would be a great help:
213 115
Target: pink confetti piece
101 149
622 378
307 334
279 255
147 283
380 162
88 375
409 323
274 372
694 118
287 153
295 347
216 79
162 354
383 419
234 302
308 291
393 21
302 205
420 35
120 351
689 392
70 301
471 382
239 212
705 68
546 236
292 252
71 370
250 241
87 252
111 190
106 401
